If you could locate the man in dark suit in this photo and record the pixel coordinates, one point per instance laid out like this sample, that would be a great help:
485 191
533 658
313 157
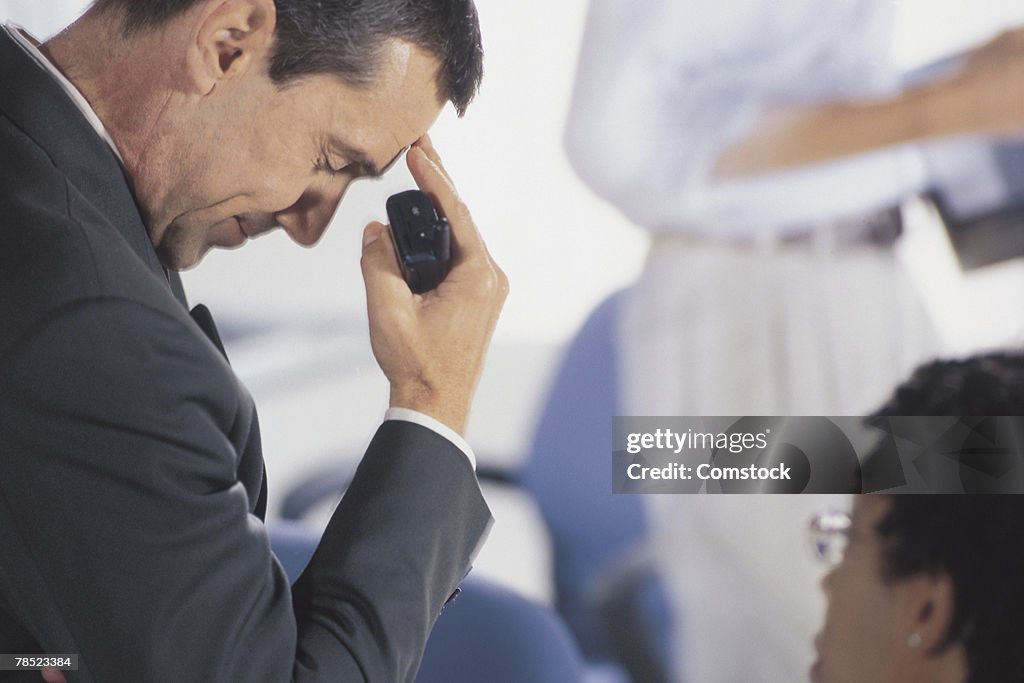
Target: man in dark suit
131 476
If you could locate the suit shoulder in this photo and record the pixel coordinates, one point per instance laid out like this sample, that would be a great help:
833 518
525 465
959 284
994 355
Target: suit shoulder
55 246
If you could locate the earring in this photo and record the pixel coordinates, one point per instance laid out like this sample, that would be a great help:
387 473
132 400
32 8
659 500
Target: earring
915 640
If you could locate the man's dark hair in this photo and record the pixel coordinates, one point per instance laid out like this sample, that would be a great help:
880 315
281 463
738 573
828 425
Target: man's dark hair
344 37
990 384
978 541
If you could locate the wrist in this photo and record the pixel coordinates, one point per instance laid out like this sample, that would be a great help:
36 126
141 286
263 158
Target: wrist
446 407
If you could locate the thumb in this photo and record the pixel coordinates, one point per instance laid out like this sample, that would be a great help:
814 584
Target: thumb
379 263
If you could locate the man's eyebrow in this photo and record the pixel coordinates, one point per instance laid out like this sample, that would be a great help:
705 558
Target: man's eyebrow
358 156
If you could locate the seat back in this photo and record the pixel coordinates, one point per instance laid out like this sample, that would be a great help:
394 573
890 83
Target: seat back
486 634
293 544
568 471
491 634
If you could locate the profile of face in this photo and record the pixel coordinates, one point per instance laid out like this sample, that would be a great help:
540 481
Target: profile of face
252 155
881 629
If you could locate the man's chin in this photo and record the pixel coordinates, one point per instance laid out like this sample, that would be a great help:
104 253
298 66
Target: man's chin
180 260
183 245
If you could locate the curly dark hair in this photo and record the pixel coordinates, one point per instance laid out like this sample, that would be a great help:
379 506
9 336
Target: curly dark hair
978 541
344 37
989 384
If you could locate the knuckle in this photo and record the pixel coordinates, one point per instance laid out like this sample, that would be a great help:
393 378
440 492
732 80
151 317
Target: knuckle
493 284
462 214
503 286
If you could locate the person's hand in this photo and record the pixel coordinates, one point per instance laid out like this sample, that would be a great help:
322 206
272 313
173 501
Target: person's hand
431 346
991 83
1007 48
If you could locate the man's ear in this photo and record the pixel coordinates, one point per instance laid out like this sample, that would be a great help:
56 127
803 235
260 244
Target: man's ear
228 38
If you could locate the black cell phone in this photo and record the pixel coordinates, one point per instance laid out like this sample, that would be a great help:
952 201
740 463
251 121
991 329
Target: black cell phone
422 239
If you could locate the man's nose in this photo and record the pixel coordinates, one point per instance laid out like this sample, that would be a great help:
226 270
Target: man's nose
306 219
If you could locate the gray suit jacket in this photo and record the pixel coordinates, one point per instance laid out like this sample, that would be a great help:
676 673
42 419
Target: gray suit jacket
131 475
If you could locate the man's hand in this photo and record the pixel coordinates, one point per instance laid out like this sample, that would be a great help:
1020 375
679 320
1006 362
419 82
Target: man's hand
431 346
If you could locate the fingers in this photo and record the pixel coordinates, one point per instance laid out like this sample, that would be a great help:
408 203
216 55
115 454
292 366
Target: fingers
427 145
430 176
381 273
469 248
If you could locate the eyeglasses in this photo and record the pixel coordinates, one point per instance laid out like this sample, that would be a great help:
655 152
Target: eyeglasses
829 533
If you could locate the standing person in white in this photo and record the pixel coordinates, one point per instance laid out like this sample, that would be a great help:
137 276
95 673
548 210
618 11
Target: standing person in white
731 131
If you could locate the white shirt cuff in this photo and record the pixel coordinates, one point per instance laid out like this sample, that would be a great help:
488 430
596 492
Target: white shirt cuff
443 430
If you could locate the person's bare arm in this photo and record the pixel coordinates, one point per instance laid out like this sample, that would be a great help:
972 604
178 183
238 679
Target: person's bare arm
985 96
